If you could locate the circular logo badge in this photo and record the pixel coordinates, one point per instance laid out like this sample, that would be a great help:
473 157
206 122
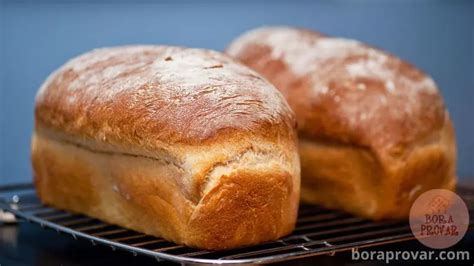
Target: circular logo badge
439 218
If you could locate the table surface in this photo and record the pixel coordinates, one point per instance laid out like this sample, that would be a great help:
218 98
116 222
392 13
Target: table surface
29 244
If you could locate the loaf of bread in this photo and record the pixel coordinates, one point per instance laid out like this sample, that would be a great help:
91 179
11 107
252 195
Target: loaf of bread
184 144
374 132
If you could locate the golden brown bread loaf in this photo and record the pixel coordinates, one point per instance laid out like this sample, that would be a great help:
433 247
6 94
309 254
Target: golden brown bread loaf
374 132
180 143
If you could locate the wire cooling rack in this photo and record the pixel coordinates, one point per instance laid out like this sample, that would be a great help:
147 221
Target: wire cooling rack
318 231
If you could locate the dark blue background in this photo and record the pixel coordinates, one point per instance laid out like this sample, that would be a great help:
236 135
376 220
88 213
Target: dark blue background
39 36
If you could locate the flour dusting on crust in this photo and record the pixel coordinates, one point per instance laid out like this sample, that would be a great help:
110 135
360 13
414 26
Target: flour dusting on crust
343 89
306 53
194 92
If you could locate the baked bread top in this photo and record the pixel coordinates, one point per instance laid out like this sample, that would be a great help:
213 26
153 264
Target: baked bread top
344 91
148 96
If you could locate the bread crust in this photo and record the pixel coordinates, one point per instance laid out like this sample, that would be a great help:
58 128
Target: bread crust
351 178
150 96
207 184
378 113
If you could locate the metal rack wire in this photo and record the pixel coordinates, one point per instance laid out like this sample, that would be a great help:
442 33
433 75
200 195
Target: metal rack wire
318 231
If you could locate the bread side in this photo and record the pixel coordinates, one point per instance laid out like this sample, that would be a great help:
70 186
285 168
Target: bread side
238 196
351 178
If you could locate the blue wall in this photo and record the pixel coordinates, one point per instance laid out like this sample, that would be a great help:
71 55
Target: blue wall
38 36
